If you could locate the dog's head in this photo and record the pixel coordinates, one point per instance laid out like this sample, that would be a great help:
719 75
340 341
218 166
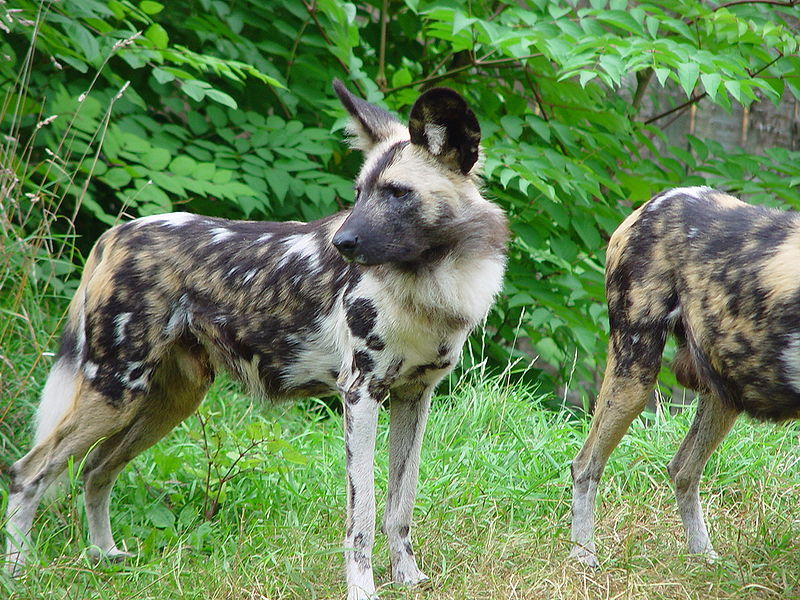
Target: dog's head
417 186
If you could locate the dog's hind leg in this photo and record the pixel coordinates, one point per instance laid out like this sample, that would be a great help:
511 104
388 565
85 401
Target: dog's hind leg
634 359
178 387
88 420
408 416
711 424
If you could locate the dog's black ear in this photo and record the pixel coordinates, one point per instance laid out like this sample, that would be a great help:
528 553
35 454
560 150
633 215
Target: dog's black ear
442 122
369 124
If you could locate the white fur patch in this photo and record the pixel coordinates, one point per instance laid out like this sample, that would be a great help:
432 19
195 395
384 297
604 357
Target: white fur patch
321 353
56 399
169 220
437 136
249 275
220 234
303 244
90 369
120 322
692 192
791 361
179 318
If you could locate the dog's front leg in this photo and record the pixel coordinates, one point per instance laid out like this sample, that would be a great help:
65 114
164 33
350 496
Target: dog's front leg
409 414
361 422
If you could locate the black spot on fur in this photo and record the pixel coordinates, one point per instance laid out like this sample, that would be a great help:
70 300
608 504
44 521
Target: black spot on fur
363 361
374 342
361 317
359 541
421 370
404 531
68 347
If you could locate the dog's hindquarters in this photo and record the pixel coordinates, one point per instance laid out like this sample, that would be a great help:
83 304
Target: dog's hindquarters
658 277
79 412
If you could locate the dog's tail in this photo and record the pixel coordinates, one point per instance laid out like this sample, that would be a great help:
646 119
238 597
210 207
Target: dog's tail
63 381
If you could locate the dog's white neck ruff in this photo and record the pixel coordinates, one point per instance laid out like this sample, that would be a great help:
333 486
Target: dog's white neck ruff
455 290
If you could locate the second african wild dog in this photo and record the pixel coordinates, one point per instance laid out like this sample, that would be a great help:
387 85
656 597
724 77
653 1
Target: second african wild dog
374 302
724 278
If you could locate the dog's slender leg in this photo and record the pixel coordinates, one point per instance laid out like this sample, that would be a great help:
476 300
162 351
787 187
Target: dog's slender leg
361 423
409 414
90 421
711 424
181 384
621 399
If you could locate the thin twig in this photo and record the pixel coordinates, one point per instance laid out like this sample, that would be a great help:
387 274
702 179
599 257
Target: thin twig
380 79
787 3
311 7
480 62
695 99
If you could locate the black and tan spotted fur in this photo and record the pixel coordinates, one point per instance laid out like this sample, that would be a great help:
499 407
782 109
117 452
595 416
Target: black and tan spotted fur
723 277
373 302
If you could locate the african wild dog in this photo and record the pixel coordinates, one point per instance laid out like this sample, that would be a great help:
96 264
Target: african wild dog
724 278
375 301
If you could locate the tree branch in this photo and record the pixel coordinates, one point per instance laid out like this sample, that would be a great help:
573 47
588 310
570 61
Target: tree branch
498 62
689 102
786 3
380 79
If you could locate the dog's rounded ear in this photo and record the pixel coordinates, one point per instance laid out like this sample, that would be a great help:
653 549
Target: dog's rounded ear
442 122
369 124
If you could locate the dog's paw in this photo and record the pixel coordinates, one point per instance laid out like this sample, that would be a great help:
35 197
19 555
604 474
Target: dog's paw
585 556
409 577
709 556
115 555
357 593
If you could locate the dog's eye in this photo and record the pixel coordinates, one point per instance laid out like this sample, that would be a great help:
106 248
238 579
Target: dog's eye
399 192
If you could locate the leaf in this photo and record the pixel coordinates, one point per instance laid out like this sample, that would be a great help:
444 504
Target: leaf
461 21
661 74
222 98
585 77
85 40
157 35
194 89
162 76
734 89
182 165
711 83
160 516
118 177
512 125
157 159
149 7
688 72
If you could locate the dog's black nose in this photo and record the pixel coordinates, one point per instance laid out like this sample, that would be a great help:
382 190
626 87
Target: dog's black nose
346 243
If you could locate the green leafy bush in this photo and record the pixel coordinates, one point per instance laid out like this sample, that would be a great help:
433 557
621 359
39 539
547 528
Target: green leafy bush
223 108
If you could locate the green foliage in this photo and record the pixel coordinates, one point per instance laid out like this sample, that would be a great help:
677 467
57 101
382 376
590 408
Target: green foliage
226 109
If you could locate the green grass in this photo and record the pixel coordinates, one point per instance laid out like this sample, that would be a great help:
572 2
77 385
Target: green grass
492 517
